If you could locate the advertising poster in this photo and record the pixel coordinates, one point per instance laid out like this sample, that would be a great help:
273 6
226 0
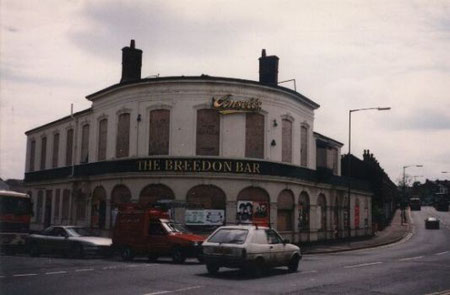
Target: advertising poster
204 217
252 212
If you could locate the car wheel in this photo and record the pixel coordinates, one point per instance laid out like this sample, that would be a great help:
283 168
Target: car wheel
34 250
178 255
127 254
212 268
293 264
77 251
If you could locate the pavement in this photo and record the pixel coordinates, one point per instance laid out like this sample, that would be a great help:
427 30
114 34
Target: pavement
393 233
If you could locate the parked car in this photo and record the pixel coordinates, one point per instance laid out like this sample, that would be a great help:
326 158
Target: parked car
249 247
432 223
149 232
72 241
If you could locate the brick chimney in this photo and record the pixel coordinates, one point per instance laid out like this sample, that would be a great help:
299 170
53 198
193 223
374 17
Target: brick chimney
268 69
131 63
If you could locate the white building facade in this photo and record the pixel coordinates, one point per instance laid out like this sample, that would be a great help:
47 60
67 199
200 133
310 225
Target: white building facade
234 149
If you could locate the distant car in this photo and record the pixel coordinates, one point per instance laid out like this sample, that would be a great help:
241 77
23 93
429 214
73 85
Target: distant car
249 247
432 223
74 241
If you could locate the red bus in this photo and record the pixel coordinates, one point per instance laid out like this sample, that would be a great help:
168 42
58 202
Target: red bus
15 215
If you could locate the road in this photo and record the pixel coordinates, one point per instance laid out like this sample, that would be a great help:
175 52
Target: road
419 264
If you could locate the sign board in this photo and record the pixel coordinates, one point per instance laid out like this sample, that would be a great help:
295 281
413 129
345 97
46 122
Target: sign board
253 212
204 217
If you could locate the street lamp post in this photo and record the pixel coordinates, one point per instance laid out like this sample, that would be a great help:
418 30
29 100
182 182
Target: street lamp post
403 202
349 155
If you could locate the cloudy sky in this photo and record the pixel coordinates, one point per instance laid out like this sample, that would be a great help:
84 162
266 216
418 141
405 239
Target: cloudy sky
343 54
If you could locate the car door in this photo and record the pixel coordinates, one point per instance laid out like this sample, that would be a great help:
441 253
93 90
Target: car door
260 246
278 251
157 240
54 240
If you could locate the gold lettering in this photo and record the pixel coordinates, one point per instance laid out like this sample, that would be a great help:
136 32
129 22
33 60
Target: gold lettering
247 168
206 166
217 166
169 165
239 167
196 165
227 166
187 165
178 165
256 168
226 105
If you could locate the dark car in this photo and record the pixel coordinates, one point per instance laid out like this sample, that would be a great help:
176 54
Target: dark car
432 223
74 241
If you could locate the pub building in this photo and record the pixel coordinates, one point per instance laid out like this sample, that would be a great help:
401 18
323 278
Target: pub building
224 150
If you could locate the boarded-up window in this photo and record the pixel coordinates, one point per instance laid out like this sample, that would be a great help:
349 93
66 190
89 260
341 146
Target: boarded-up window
304 146
32 154
303 207
84 144
155 192
69 147
102 135
55 150
81 207
39 206
254 135
159 132
208 132
322 212
334 161
57 202
286 147
43 152
285 212
206 197
123 136
321 156
65 205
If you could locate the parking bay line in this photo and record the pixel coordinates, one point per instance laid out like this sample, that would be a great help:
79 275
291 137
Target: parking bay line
56 272
441 253
174 291
84 269
25 275
410 258
363 264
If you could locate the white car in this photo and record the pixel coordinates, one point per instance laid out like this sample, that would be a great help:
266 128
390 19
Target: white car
249 247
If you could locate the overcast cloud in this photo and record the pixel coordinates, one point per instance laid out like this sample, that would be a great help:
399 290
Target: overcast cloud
343 55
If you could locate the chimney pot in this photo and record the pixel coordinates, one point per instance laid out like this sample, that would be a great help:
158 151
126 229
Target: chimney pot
268 69
131 63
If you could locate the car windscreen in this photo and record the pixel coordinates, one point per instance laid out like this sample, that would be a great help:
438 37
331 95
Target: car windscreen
229 236
79 232
175 227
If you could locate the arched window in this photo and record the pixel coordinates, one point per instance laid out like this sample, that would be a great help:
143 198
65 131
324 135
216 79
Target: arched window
55 151
253 205
303 207
32 154
208 132
285 212
206 197
84 157
102 139
208 204
322 212
155 192
69 147
357 215
304 146
65 212
43 152
119 195
123 136
159 132
286 141
254 135
39 206
98 208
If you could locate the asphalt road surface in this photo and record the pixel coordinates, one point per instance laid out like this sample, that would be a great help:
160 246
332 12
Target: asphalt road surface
419 264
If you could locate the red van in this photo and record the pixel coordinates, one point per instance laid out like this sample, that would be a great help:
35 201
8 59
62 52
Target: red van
140 231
